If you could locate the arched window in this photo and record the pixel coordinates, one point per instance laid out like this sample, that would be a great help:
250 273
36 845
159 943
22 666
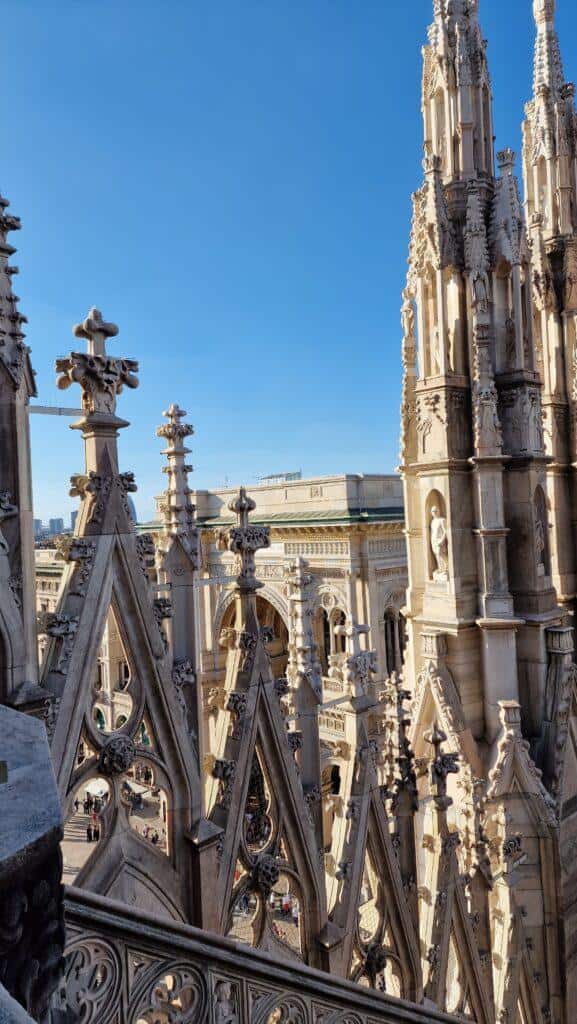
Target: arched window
390 642
326 638
120 721
541 527
395 641
99 719
340 642
402 637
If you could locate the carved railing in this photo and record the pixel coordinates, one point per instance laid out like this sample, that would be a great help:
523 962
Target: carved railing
125 966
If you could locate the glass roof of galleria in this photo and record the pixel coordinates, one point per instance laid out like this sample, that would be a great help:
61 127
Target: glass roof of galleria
335 517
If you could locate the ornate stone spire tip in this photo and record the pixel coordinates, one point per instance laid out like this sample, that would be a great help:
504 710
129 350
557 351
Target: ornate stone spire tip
506 160
175 430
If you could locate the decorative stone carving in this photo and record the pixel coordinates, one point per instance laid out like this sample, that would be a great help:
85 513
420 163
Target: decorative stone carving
488 434
442 765
177 995
247 644
361 667
101 378
16 583
7 511
226 1003
224 770
183 676
145 551
93 979
98 490
117 755
162 608
237 705
81 551
62 627
265 874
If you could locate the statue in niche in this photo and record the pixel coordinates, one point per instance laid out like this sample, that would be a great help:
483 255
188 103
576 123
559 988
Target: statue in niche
480 291
487 425
535 422
440 546
436 354
510 351
408 315
540 547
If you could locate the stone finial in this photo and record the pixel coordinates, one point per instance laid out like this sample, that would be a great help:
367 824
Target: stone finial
245 540
95 330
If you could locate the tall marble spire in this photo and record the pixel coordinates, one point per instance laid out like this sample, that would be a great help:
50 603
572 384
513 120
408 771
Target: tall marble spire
457 92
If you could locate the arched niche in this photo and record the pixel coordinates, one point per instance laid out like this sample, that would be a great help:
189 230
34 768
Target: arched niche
395 627
541 533
506 354
431 347
436 546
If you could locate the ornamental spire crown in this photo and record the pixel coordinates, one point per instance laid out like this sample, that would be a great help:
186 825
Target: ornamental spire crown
548 66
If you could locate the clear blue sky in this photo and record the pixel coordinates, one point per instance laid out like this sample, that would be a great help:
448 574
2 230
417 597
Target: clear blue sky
229 181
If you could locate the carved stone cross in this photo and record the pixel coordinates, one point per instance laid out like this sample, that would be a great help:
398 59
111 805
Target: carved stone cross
96 331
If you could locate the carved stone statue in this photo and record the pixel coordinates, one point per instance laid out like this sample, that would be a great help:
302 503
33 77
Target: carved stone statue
440 546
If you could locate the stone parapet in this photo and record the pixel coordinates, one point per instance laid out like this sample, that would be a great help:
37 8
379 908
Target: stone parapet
145 965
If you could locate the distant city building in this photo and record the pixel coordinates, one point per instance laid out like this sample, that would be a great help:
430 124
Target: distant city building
73 518
37 523
55 526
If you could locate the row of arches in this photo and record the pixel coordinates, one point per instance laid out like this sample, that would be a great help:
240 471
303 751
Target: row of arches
330 643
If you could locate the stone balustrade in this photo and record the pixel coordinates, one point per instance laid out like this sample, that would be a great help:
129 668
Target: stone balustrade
123 964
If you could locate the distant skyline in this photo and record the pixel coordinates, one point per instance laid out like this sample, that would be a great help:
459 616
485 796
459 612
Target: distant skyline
230 183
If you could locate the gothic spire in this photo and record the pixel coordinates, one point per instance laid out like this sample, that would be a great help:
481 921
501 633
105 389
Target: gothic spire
13 351
548 66
101 378
177 508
